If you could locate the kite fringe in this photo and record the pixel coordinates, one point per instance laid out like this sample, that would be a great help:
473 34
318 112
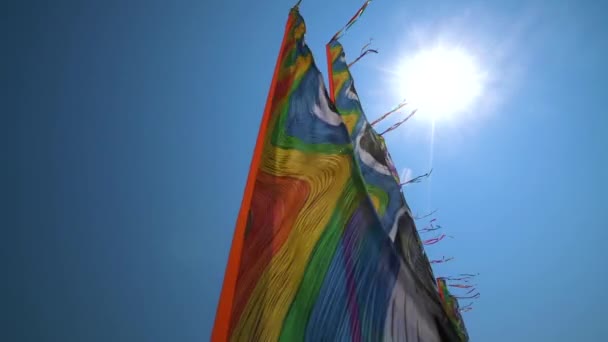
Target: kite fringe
435 240
395 126
364 51
361 56
462 286
366 45
461 277
350 23
426 215
431 227
471 290
399 106
417 179
466 308
442 260
477 295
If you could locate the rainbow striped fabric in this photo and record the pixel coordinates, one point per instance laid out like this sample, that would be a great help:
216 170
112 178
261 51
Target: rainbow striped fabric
325 247
377 169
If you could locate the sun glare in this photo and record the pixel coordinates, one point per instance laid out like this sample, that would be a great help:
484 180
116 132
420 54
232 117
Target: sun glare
441 82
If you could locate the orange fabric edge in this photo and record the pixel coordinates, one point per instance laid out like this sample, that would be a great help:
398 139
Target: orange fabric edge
330 72
440 292
221 326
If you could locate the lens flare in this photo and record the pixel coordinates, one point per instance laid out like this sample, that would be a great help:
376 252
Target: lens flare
441 82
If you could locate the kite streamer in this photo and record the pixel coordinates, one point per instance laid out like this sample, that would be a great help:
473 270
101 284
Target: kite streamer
426 215
364 51
471 290
384 116
467 306
430 228
442 260
462 277
396 125
417 179
361 56
434 240
462 286
366 45
352 20
475 296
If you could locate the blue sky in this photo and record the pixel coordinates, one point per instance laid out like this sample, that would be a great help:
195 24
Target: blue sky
134 126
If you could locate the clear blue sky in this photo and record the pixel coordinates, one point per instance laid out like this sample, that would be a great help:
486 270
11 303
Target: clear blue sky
134 124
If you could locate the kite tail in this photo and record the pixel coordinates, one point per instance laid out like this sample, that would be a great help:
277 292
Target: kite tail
426 215
458 279
442 260
475 296
366 45
462 286
430 228
417 179
399 106
467 306
466 277
362 55
395 126
350 23
434 240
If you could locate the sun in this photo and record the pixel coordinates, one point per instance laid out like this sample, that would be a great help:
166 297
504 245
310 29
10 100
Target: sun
441 81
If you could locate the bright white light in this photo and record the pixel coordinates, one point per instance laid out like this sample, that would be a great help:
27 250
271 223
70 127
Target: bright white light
440 82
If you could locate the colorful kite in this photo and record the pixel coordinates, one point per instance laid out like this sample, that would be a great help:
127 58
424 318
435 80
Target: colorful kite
325 246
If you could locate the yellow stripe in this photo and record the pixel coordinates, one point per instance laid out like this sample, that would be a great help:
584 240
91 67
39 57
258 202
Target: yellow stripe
269 303
350 121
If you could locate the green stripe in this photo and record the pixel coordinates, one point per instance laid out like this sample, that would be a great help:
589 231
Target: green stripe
296 321
282 140
381 195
